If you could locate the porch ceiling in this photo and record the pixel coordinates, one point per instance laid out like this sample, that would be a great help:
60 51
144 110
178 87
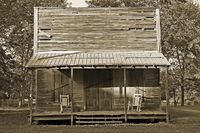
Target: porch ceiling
97 59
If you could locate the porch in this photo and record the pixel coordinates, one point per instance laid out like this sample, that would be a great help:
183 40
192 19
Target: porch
99 90
101 117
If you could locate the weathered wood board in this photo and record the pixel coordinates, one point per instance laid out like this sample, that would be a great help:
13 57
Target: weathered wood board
45 91
97 89
78 91
94 29
143 81
50 85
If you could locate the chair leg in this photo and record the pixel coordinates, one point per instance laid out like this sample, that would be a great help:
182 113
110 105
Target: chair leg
138 108
129 105
61 109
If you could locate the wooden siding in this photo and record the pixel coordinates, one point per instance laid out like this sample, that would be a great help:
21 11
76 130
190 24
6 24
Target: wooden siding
57 84
78 91
118 90
143 81
50 85
45 94
94 29
97 89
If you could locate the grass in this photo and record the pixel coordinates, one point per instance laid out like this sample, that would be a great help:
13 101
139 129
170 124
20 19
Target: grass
183 120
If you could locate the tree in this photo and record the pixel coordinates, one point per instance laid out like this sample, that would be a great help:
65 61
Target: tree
120 3
181 23
16 39
180 37
130 3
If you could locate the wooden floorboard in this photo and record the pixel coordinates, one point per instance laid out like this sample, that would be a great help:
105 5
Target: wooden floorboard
99 117
119 113
91 113
146 117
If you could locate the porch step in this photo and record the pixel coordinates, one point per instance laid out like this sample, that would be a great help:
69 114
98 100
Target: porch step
99 118
99 122
83 119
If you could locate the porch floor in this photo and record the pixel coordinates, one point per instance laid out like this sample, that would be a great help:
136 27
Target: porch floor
100 116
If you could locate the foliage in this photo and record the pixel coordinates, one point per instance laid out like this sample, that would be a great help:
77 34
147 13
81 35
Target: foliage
16 41
104 3
180 37
129 3
180 24
180 27
121 3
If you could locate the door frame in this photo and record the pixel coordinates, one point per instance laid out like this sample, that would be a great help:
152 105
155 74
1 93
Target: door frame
94 73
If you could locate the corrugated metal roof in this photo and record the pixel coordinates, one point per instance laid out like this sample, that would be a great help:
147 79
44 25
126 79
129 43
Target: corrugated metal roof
100 59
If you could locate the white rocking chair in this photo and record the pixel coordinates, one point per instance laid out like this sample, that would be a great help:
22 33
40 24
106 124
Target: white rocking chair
64 102
137 102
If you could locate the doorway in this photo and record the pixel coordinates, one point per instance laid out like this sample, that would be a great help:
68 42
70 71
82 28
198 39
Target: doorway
98 90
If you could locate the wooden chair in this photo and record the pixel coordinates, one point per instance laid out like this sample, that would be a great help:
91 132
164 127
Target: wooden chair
64 102
137 102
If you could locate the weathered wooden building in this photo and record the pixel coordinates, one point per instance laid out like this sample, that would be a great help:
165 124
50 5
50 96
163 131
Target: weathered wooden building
97 60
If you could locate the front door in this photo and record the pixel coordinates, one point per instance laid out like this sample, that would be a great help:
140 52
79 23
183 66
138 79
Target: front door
105 98
98 89
92 99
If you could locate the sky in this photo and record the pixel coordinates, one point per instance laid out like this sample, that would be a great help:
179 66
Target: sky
78 3
197 1
81 3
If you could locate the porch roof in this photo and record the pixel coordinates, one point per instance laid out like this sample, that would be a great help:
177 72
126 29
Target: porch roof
97 59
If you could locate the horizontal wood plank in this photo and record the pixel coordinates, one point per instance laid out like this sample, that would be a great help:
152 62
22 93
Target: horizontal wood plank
98 122
97 28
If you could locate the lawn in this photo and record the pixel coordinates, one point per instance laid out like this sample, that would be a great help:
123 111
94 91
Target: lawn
183 120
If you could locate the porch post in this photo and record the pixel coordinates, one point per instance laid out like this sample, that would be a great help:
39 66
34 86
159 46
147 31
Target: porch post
167 95
31 96
125 104
71 82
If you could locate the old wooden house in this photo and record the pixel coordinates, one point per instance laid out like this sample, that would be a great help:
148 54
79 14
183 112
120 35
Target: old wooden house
97 65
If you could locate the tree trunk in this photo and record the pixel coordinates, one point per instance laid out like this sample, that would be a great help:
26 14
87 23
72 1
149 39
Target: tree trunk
182 91
21 97
174 95
182 95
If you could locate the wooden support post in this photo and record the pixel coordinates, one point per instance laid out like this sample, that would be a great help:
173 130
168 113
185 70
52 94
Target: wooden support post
31 97
72 78
35 87
167 95
125 102
158 31
160 98
35 40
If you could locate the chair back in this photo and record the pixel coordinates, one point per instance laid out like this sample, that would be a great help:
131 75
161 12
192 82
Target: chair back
137 100
64 100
